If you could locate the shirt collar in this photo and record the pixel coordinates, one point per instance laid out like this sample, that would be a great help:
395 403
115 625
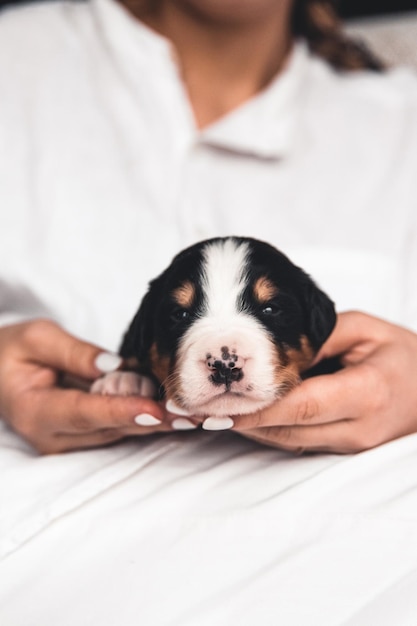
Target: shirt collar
132 38
264 126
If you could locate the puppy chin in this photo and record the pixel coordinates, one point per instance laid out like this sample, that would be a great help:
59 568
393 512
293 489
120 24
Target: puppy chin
230 404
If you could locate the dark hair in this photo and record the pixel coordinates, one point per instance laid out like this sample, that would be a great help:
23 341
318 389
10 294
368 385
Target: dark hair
318 23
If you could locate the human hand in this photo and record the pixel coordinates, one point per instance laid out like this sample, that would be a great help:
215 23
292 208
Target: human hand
372 400
34 356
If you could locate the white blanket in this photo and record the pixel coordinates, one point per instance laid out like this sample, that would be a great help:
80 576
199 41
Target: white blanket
202 529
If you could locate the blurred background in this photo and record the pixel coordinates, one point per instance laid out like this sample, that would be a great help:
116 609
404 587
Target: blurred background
388 26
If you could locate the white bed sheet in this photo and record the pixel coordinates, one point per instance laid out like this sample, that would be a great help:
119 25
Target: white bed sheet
203 529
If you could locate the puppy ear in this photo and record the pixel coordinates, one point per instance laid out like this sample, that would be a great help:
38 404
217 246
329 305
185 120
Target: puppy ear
140 335
321 315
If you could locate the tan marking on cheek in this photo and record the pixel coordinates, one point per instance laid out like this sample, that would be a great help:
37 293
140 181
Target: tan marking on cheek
166 373
286 376
184 294
160 365
291 362
303 357
264 289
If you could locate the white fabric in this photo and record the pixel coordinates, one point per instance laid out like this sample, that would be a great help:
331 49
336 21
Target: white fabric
104 177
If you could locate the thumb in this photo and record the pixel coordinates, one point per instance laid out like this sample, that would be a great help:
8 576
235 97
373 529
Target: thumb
46 343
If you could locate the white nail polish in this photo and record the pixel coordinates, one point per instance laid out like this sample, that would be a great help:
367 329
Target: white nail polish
218 423
107 362
171 407
146 420
181 423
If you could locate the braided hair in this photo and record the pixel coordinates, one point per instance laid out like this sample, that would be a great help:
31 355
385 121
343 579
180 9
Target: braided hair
318 23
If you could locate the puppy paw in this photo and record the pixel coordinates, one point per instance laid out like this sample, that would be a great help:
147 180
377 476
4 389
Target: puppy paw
124 384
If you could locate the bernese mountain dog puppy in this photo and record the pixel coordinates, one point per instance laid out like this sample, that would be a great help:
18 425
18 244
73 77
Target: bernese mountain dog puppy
228 328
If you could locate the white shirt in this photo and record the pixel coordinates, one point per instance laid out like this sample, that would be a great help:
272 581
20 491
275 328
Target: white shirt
104 177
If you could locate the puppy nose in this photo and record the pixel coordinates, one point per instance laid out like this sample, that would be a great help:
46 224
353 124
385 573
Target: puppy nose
226 368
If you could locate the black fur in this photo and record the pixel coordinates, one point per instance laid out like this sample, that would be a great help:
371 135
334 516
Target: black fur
158 318
301 307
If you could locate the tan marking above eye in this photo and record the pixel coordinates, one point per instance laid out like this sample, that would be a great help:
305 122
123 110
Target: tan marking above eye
264 289
184 294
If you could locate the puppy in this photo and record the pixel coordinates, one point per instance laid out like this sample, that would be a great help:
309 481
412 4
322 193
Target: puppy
228 328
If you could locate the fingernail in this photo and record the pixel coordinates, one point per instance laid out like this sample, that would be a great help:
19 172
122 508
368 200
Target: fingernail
107 362
171 407
218 423
144 419
181 423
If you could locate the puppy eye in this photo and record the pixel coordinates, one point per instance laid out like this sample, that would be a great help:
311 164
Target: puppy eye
181 315
270 310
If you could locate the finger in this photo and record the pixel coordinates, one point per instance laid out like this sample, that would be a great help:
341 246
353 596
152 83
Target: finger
352 328
63 442
338 437
48 344
319 400
73 411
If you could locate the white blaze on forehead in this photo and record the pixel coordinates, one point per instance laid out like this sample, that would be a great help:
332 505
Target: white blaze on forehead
224 269
223 327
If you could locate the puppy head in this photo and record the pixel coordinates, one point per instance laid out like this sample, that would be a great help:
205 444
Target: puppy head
229 326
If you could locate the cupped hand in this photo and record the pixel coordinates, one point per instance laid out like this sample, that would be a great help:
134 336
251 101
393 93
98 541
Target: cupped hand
372 400
34 358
